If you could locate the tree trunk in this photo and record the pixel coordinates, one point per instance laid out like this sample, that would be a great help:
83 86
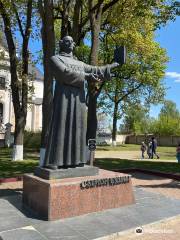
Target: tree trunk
20 106
76 29
91 118
95 22
114 131
18 138
95 16
95 42
66 24
48 42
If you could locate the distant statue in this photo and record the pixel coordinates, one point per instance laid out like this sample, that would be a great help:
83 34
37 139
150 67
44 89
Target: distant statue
8 136
66 145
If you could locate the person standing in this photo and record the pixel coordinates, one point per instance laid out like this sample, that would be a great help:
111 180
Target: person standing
154 148
149 149
178 153
143 149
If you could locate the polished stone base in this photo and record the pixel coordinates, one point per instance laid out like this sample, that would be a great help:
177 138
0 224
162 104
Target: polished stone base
69 197
47 173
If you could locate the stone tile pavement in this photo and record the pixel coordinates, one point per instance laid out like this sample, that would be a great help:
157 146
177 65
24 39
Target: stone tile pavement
157 204
152 183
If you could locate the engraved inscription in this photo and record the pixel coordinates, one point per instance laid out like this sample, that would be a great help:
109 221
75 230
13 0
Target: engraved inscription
104 182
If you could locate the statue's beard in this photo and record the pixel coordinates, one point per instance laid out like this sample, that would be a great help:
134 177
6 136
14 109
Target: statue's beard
66 50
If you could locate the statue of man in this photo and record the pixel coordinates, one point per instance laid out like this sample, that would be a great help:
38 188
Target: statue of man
66 145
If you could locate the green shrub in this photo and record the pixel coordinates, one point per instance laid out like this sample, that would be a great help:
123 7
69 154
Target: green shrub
32 140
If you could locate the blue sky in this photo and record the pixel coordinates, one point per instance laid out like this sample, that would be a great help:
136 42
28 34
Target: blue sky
169 38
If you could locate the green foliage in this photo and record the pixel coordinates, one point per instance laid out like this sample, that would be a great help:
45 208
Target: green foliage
136 120
32 140
166 126
160 12
168 121
82 52
139 81
169 109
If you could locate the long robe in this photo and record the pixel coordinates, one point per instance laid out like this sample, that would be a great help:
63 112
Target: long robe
66 145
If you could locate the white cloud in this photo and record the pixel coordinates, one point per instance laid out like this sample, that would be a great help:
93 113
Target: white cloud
174 75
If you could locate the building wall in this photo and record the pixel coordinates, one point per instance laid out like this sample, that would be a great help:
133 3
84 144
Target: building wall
34 114
138 139
161 140
38 89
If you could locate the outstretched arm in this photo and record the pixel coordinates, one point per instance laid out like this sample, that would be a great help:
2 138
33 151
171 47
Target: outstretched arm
95 73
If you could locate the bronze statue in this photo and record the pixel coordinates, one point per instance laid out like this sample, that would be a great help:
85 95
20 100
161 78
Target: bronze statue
67 137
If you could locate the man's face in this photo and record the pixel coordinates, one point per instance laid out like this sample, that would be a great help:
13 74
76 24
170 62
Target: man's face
68 44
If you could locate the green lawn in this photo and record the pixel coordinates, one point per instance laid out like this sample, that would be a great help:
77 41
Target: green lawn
123 164
123 147
167 153
9 168
133 147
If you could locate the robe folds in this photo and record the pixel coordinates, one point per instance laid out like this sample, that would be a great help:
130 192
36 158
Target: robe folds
66 145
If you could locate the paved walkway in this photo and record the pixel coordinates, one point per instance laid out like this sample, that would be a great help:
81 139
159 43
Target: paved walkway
156 213
131 155
165 186
162 230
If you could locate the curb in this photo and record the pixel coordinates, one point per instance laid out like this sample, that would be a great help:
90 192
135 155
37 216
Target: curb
8 180
157 173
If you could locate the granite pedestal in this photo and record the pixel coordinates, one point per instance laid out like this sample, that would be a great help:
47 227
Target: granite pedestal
61 173
69 197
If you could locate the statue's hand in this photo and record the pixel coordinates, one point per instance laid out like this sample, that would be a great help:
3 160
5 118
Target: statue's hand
114 65
93 77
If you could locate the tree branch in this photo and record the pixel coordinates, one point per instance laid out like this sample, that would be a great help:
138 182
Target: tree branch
100 88
111 98
41 9
25 55
18 19
129 92
28 21
108 5
104 9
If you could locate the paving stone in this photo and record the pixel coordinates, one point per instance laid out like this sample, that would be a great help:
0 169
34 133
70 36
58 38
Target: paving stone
22 234
117 223
10 216
141 194
59 231
11 222
88 225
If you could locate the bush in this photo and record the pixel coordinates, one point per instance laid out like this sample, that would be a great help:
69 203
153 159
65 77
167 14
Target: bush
32 140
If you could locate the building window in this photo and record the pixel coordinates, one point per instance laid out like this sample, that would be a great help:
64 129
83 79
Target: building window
2 83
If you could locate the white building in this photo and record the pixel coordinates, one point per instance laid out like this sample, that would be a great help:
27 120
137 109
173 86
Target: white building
34 115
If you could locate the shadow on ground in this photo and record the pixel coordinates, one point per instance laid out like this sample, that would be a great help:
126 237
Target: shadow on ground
10 192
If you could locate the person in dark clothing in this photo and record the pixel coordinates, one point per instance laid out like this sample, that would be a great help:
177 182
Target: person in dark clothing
149 149
178 153
143 149
154 147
